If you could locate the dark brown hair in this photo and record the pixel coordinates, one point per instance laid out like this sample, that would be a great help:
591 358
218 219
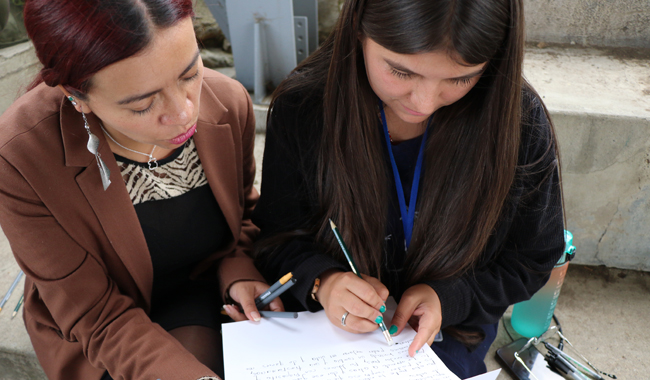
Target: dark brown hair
472 150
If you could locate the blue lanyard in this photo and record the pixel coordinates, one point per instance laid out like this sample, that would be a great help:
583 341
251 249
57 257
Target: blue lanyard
408 215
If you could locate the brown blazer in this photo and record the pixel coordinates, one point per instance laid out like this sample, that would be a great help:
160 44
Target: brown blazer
89 272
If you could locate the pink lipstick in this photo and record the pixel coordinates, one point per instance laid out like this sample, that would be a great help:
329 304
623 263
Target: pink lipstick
183 136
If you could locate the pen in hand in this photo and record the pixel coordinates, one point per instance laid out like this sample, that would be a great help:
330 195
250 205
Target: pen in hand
381 324
278 289
272 289
267 296
278 314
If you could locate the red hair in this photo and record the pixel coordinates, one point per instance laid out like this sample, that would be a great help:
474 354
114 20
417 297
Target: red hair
74 39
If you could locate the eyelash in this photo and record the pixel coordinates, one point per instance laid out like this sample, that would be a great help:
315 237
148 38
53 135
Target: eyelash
459 82
144 111
400 74
148 109
192 77
463 82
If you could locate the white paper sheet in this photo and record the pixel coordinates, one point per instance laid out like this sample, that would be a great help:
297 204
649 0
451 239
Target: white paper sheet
492 375
310 347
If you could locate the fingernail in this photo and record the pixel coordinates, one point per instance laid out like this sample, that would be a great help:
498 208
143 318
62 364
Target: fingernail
392 330
379 319
382 308
416 351
256 316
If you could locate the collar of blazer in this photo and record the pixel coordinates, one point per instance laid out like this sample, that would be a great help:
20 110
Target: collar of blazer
215 144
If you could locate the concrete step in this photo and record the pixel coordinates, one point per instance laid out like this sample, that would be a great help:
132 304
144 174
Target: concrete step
17 358
600 104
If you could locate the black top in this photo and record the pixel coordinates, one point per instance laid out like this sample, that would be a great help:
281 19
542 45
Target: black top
182 224
517 259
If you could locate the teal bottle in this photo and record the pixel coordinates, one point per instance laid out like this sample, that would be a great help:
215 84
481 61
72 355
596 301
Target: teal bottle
533 317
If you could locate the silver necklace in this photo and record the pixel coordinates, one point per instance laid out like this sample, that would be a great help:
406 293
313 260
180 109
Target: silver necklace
152 160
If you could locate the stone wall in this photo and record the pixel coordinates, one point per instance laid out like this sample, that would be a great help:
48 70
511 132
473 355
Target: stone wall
18 66
328 13
606 182
601 23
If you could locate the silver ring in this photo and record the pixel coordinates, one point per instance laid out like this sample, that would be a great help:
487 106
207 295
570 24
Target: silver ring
344 317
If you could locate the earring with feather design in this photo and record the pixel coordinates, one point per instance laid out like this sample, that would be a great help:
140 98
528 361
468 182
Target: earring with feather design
93 147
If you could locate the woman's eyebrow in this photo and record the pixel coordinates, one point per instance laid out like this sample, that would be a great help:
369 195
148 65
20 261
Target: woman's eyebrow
472 74
194 60
135 98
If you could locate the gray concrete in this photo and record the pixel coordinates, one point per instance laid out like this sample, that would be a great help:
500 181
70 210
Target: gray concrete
18 66
601 108
216 58
603 23
20 367
17 358
594 23
590 81
604 313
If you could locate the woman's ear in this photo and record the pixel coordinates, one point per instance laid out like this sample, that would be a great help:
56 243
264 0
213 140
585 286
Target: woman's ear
78 104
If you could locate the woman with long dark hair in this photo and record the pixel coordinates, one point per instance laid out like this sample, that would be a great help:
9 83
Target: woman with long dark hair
130 228
413 129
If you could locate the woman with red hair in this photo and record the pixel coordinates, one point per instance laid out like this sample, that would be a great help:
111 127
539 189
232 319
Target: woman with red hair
130 228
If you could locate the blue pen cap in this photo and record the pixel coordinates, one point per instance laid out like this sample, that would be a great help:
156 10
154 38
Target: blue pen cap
569 249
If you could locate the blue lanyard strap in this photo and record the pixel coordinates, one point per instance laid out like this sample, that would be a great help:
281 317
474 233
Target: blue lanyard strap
408 214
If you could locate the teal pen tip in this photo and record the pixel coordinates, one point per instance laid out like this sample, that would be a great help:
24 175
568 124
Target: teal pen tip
384 330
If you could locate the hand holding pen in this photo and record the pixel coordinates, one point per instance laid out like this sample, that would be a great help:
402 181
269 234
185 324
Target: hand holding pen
245 293
353 300
420 307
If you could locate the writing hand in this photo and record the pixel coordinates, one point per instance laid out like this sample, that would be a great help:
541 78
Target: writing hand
244 293
420 307
342 292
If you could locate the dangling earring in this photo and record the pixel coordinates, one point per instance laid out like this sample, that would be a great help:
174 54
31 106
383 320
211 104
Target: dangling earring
93 145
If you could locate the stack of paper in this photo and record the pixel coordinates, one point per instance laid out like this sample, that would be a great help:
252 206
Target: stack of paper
310 347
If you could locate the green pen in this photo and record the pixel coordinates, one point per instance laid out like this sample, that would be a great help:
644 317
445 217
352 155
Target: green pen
381 324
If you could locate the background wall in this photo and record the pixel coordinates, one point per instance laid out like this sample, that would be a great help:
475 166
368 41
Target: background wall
603 23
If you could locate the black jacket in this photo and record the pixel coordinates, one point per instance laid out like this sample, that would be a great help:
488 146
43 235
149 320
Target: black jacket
516 262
